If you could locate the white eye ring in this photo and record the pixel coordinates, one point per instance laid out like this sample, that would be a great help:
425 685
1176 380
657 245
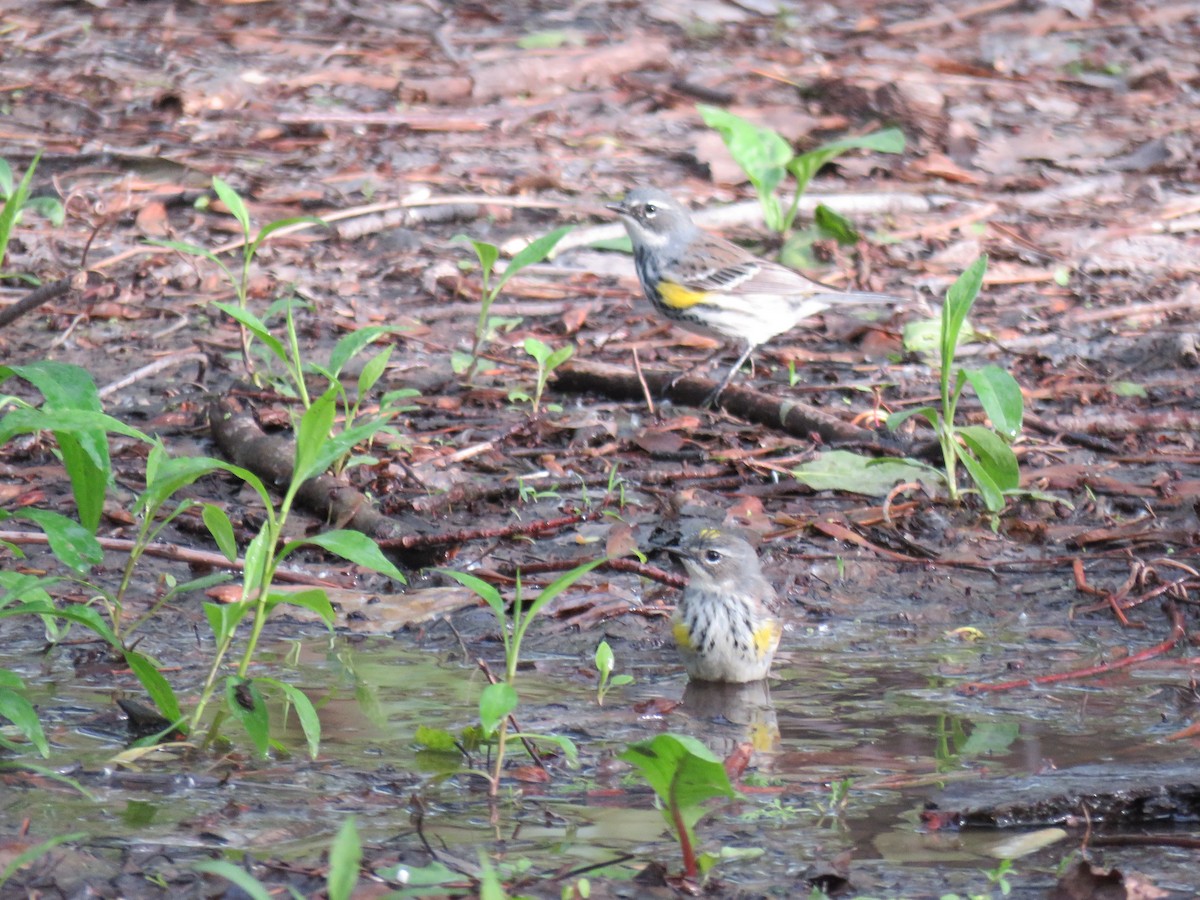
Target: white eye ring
649 210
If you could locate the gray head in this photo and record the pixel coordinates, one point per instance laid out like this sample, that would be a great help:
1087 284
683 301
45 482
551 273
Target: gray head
719 558
652 216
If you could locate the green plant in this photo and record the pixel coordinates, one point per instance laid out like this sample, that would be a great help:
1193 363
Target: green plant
70 411
684 775
315 451
999 876
985 452
499 700
15 198
605 661
247 321
487 254
767 158
547 360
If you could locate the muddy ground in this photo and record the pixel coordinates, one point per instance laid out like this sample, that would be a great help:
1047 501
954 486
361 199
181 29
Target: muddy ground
1057 137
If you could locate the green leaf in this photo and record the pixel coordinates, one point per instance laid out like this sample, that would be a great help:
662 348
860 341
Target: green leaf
314 599
216 520
312 433
236 875
1001 398
233 202
683 773
994 454
841 470
306 713
255 326
532 254
223 618
24 717
762 154
155 684
486 253
605 659
806 165
495 703
835 225
481 588
345 856
72 544
928 413
959 300
560 584
993 497
539 350
372 371
73 612
358 548
253 714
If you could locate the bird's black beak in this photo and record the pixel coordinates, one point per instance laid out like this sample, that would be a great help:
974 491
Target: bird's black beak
619 208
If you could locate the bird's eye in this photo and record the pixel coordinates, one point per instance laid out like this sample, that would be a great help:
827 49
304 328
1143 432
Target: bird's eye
649 210
712 556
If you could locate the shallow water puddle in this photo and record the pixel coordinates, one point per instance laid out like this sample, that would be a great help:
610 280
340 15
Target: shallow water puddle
858 729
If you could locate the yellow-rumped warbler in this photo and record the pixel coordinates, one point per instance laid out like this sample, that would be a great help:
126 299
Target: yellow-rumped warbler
708 285
726 625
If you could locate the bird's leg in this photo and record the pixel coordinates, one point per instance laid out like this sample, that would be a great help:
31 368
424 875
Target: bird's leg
712 398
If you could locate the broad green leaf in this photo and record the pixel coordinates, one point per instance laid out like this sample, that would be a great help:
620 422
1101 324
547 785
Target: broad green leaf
155 684
255 326
959 300
252 713
486 253
1001 398
537 250
314 599
841 470
358 548
481 588
257 562
495 703
223 618
372 371
345 856
236 875
539 350
72 544
994 454
605 659
72 612
989 738
835 225
560 584
233 202
350 345
762 154
311 434
310 722
993 497
24 717
216 520
807 164
683 773
928 413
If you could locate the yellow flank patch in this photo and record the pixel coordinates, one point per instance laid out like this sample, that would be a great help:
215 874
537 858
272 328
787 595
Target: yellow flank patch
677 296
682 636
766 637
